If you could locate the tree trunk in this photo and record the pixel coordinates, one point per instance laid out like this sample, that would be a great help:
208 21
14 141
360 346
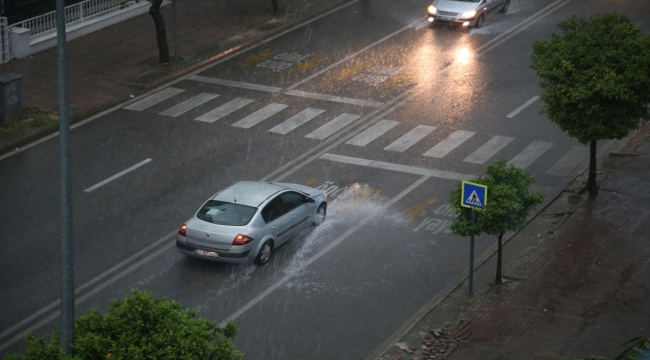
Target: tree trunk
593 187
161 34
275 5
499 261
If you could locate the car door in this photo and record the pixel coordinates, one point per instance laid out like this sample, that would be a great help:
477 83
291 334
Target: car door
278 221
299 210
493 5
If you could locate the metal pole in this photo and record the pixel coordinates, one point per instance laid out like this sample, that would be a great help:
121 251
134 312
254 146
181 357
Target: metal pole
471 255
67 250
174 24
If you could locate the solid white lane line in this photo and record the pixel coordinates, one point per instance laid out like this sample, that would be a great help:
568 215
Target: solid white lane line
260 115
396 167
143 162
569 161
188 104
296 120
154 99
224 110
488 149
339 99
411 138
530 154
237 84
523 25
523 106
83 287
372 133
324 251
449 144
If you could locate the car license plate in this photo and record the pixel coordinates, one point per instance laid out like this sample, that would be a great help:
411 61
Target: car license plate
206 253
446 18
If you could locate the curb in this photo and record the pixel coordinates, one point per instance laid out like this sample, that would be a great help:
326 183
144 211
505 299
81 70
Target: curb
170 77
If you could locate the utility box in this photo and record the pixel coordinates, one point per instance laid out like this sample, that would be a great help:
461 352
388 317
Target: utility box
11 98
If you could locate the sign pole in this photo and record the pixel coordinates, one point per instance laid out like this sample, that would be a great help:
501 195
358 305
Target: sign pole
471 255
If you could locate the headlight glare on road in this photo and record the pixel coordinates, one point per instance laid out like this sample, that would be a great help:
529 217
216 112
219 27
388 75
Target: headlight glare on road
432 9
468 14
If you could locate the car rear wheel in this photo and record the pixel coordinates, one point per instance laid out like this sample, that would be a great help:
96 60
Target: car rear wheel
479 21
505 7
319 217
265 254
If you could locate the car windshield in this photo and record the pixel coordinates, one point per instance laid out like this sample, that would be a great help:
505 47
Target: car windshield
225 213
474 1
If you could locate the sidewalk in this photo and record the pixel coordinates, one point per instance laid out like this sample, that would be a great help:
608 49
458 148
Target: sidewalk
112 65
577 279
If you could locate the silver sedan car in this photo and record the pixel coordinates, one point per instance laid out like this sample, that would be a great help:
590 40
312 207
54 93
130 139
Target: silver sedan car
465 12
248 220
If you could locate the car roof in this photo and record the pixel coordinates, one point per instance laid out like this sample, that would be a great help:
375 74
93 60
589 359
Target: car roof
250 193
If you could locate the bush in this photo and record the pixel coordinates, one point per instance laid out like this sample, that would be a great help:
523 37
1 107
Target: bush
140 328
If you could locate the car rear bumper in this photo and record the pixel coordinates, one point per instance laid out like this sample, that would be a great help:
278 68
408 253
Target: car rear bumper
229 256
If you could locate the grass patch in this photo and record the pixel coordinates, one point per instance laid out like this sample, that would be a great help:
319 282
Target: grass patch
32 121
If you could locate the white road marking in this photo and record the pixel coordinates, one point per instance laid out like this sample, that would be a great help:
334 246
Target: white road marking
154 99
523 106
188 104
569 161
117 175
530 154
449 144
396 167
372 133
237 84
488 149
409 139
339 99
333 126
296 120
224 110
523 25
322 252
260 115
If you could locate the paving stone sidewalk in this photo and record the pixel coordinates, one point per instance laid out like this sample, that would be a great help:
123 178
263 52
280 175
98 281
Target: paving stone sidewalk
119 62
577 287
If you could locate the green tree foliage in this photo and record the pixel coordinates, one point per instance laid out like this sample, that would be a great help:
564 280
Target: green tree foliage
140 327
595 79
508 203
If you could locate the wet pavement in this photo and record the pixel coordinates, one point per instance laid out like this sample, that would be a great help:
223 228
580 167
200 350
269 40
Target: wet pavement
576 279
119 62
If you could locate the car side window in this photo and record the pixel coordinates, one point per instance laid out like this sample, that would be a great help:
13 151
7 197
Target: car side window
292 200
273 210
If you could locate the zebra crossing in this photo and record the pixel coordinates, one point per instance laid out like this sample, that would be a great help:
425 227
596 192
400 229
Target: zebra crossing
481 155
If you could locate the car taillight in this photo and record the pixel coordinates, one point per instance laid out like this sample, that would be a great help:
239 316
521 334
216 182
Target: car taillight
242 240
181 231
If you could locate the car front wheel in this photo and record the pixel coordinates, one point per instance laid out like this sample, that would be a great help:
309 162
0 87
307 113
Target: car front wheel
479 21
265 254
319 217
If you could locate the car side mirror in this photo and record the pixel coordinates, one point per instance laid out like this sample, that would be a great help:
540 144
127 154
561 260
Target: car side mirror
310 200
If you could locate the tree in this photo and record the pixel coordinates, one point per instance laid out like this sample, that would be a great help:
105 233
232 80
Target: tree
595 80
140 328
508 203
161 33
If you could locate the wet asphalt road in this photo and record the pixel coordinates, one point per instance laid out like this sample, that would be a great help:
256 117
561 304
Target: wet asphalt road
396 87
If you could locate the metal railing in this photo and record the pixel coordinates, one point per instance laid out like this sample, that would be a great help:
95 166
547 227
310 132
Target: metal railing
73 13
5 34
47 22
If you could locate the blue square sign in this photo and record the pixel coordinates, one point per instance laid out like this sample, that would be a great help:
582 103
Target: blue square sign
473 195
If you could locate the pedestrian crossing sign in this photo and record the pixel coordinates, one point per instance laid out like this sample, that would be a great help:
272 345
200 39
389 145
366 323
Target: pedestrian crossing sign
473 195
